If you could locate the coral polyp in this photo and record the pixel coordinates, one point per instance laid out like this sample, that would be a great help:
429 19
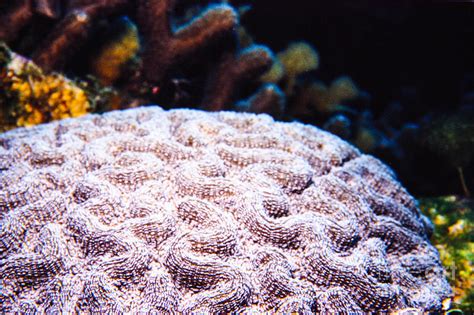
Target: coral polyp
147 210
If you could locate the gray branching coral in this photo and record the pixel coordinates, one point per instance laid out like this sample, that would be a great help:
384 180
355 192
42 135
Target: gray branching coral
71 33
231 72
146 210
167 47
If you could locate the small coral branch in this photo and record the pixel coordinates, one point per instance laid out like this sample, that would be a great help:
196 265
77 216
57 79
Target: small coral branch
57 47
49 8
165 47
268 99
232 71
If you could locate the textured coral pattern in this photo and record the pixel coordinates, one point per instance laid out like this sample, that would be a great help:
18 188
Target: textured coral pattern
147 210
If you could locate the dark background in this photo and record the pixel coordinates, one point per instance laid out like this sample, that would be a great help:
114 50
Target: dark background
385 46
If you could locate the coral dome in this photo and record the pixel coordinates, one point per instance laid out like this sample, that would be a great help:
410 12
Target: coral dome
147 210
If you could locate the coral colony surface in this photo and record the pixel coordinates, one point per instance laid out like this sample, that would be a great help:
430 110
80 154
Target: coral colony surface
147 210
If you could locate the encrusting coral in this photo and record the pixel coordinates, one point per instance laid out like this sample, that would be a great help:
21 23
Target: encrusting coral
36 97
147 210
120 51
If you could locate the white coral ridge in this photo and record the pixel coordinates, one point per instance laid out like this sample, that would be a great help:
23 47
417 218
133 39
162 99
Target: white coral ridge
147 210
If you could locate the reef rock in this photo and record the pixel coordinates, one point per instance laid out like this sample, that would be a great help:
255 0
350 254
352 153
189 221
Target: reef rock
147 210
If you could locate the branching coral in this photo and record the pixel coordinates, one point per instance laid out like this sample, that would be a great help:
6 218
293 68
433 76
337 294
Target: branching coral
166 47
231 72
71 33
298 58
269 100
233 68
169 48
147 210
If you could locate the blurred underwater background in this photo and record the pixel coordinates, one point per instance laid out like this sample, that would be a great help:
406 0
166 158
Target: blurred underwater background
396 79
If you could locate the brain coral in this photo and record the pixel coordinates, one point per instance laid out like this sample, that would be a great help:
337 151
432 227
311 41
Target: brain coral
147 210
